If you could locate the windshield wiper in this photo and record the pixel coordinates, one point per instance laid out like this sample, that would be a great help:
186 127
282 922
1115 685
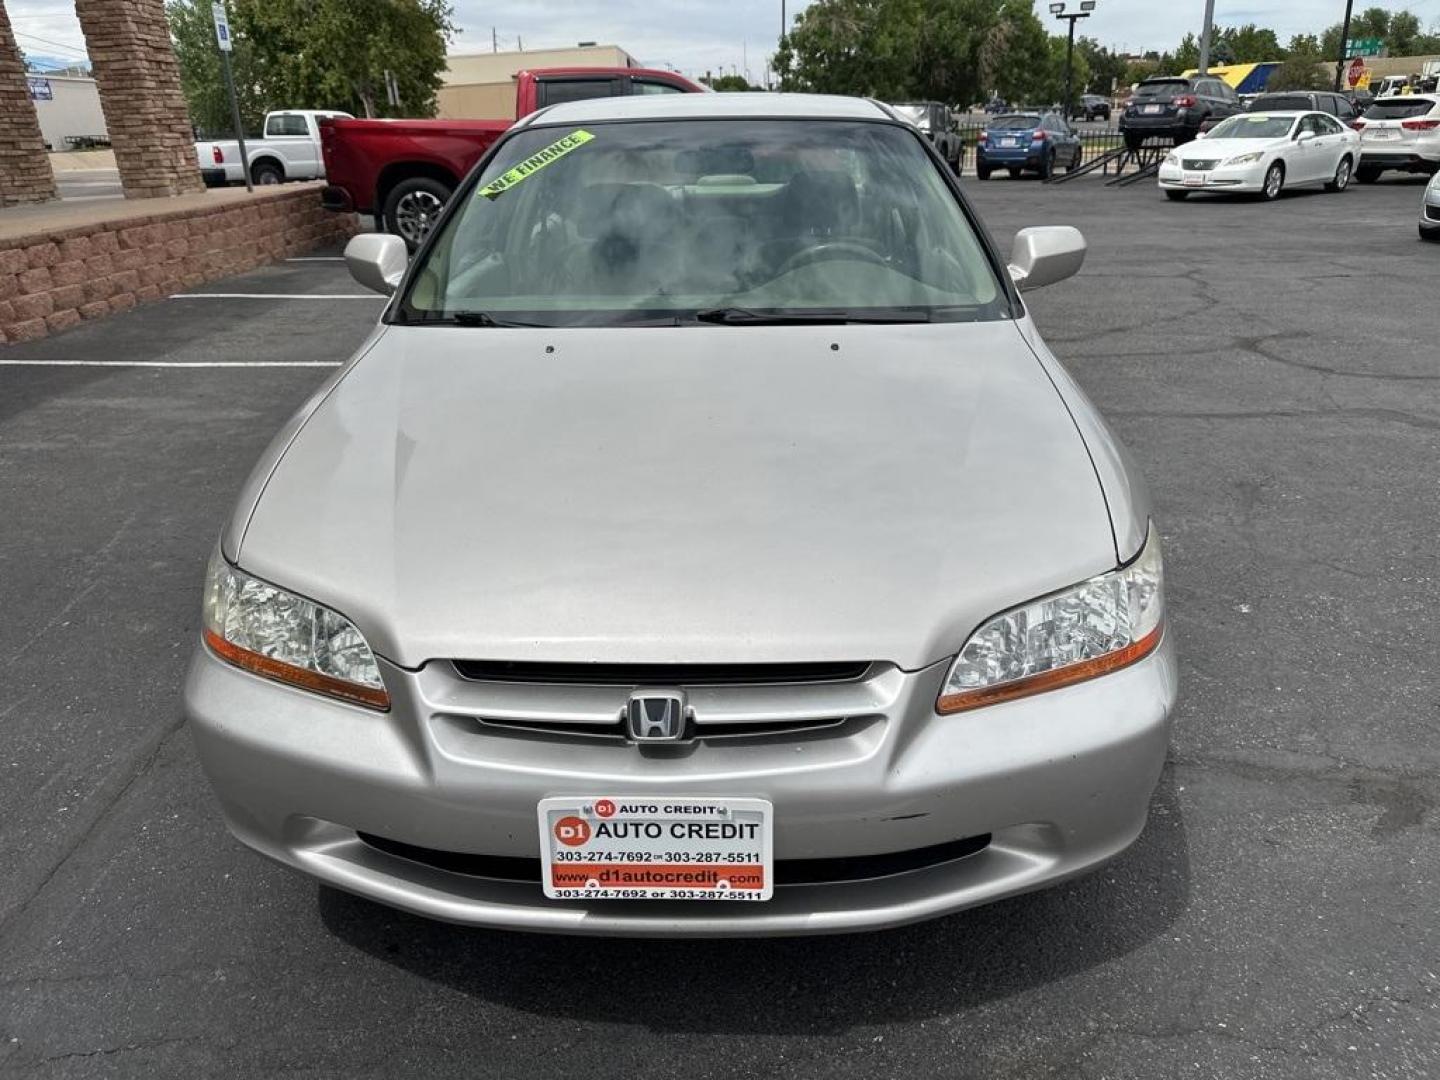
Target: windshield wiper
483 318
738 316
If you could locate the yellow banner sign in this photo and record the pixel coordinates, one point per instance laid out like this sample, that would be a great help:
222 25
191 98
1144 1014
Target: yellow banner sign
535 162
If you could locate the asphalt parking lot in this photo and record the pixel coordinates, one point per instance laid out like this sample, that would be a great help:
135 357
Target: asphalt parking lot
1274 369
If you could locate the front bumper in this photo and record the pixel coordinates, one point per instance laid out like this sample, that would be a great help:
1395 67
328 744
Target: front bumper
1246 178
1061 782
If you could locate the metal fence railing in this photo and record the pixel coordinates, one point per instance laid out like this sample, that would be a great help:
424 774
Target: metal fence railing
1096 139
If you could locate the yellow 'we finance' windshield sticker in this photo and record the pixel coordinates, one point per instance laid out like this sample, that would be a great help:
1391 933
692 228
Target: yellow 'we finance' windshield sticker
534 163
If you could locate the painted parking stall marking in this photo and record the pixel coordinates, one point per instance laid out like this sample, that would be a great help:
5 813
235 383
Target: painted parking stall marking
649 847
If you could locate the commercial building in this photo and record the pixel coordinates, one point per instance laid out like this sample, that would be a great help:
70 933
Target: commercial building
68 109
481 86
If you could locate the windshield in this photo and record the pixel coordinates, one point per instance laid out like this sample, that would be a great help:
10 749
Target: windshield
706 221
1164 88
1253 126
1399 108
1014 123
1283 101
919 115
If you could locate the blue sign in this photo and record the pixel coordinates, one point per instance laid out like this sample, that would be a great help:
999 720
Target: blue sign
40 89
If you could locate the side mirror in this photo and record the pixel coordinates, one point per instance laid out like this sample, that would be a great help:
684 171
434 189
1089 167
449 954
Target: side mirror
1304 136
1201 134
1045 255
377 261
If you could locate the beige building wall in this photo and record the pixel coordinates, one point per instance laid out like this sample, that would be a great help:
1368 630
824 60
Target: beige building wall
73 109
481 86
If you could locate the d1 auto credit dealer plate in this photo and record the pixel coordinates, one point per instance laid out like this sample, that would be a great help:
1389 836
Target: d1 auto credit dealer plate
649 847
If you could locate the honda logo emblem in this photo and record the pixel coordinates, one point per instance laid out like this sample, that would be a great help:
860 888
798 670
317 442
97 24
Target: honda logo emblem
656 716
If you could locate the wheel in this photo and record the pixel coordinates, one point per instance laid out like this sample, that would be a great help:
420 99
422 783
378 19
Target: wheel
1134 140
1075 161
266 172
413 207
1047 166
1431 233
1367 174
1274 181
1342 176
982 171
1176 196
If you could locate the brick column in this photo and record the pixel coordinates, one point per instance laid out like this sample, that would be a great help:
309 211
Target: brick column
139 80
25 175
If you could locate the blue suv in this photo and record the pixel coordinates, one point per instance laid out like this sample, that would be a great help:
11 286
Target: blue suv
1018 141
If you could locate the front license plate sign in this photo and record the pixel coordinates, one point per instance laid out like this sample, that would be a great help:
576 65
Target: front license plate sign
1194 179
648 847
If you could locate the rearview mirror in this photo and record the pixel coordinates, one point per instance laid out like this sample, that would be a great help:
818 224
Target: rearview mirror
377 261
1045 255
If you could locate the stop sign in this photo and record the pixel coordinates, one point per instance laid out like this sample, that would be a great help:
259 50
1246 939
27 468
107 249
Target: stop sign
1357 69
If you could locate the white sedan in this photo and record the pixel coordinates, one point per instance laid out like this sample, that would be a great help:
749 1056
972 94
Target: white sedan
1430 210
1264 153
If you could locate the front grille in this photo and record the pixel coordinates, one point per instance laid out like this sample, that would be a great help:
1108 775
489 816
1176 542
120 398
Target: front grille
1201 164
787 871
703 732
677 675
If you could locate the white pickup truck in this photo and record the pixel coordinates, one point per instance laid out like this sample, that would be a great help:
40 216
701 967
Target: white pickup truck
289 150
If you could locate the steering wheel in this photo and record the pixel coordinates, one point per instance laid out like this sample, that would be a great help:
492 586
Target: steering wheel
828 251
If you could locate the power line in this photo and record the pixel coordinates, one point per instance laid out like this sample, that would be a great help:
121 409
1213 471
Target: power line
53 44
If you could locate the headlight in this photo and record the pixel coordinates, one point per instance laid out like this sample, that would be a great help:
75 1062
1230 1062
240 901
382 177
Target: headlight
1245 159
1172 159
1091 629
270 632
1435 182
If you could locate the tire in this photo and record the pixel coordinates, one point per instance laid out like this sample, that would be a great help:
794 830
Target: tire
266 172
1047 167
1177 196
1342 176
413 206
982 171
1134 140
1430 233
1274 182
1367 174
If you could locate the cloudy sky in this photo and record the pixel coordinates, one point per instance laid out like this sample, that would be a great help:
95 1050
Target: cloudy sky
699 35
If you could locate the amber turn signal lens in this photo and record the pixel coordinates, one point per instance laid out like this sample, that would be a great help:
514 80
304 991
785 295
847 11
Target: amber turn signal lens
1053 679
270 668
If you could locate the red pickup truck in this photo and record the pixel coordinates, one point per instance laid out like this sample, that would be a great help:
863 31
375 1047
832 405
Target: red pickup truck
405 170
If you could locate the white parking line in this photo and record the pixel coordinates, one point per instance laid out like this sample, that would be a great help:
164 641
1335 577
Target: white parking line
274 296
174 363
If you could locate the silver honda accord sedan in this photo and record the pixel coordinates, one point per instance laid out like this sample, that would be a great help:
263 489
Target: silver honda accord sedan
703 543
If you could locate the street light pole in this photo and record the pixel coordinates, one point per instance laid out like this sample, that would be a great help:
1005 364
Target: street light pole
1206 32
1058 10
1344 45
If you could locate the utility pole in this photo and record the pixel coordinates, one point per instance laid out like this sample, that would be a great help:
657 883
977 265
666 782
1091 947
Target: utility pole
222 38
1344 45
494 41
1058 10
1205 33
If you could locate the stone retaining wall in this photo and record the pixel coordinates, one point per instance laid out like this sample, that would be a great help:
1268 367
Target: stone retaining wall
51 282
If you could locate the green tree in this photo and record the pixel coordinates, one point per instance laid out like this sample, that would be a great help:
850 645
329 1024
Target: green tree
1304 44
727 83
1402 34
956 51
1107 68
1251 44
326 54
202 80
1187 56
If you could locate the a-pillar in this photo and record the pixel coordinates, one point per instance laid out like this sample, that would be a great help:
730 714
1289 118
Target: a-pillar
25 174
139 82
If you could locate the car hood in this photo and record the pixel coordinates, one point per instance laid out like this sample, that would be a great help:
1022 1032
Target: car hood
1224 149
701 494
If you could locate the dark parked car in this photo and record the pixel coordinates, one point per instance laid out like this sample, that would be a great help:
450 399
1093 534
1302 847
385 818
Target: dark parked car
1337 105
937 122
1175 109
1091 107
1018 141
